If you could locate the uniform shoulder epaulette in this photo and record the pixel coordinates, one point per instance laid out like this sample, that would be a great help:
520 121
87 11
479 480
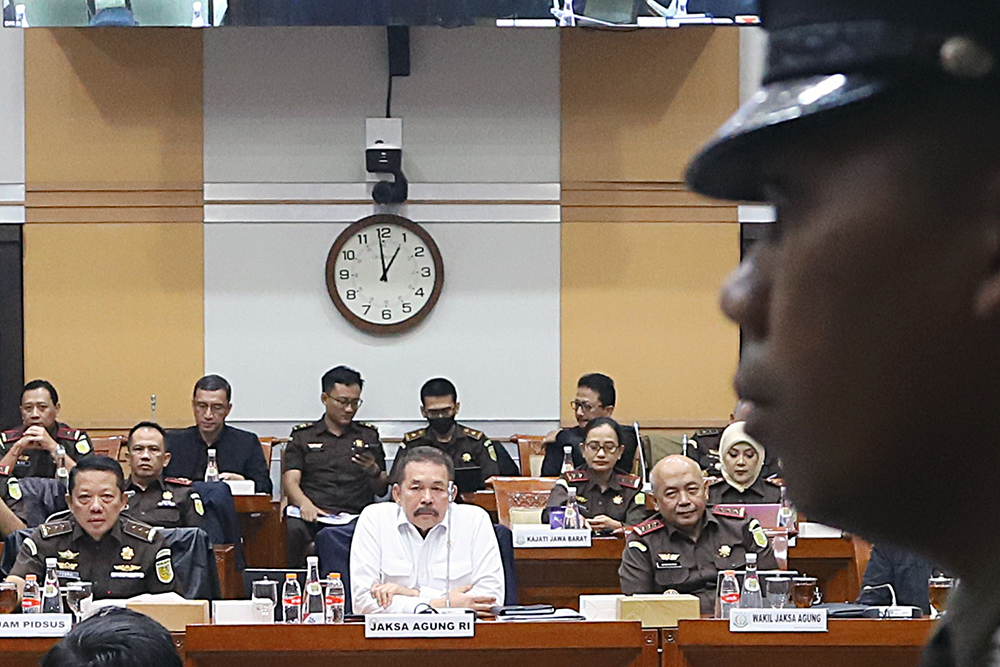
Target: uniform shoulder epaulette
53 528
139 529
648 526
730 512
67 433
707 431
414 435
183 481
299 427
777 481
473 433
576 475
12 435
368 425
629 481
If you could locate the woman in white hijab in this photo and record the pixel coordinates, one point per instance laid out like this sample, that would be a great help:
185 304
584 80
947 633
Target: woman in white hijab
741 459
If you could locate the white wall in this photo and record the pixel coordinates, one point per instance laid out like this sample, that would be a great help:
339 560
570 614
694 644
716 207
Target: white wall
284 171
11 125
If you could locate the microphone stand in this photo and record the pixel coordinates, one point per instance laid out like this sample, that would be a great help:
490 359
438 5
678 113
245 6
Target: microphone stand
447 567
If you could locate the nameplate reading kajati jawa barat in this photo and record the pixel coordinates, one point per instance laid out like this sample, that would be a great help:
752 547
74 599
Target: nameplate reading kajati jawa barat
534 536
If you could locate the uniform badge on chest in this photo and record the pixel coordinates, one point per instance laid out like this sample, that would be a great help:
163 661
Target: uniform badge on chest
128 553
667 561
725 550
315 446
617 500
466 457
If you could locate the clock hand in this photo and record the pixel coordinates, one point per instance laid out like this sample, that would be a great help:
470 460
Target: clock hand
381 253
385 274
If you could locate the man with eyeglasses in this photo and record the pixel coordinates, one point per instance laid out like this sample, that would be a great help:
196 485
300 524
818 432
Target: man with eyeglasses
595 397
468 448
332 466
237 452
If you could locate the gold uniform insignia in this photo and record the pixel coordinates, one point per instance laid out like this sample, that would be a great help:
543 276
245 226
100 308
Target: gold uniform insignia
129 567
490 448
637 545
63 565
128 553
617 500
164 568
83 445
466 457
359 443
68 555
670 558
640 498
14 488
725 550
198 506
168 495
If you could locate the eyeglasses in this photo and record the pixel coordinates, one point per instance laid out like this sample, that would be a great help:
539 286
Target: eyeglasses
347 402
215 408
583 405
438 414
608 448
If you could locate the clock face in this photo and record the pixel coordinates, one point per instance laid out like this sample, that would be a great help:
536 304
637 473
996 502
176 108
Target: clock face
384 273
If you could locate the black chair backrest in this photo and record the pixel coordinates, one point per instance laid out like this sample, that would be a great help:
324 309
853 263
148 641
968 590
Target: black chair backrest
194 563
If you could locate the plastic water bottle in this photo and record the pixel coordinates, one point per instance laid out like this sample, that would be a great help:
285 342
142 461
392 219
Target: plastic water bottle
291 598
312 601
31 599
572 518
334 598
61 473
567 463
729 593
51 600
787 516
211 468
750 597
198 18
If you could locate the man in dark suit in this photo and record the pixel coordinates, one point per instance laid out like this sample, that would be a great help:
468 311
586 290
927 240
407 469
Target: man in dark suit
238 453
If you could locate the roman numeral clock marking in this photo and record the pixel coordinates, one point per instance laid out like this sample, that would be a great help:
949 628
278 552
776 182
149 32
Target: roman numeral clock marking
384 274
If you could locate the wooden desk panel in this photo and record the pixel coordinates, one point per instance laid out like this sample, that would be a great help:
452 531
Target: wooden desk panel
260 526
612 644
708 643
28 652
832 561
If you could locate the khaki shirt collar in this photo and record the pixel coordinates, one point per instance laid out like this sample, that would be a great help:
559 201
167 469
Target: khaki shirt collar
79 533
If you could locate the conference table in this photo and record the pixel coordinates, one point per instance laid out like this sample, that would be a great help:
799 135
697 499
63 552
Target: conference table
560 575
695 643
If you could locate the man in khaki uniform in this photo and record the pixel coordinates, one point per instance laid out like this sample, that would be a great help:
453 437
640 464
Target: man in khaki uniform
686 547
151 498
31 449
120 556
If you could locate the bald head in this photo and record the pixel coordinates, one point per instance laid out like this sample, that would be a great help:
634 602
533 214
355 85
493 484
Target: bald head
680 491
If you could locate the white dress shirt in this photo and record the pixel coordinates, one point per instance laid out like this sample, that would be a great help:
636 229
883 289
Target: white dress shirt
387 548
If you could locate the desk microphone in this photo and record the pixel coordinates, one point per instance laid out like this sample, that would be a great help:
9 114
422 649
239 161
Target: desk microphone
893 610
152 406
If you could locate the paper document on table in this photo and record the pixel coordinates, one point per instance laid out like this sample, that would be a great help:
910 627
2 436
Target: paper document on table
328 519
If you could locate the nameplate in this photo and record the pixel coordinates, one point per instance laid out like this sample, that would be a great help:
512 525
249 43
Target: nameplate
777 620
35 625
535 536
419 626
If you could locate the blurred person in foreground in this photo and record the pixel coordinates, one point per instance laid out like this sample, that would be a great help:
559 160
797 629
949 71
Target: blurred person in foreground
874 307
114 637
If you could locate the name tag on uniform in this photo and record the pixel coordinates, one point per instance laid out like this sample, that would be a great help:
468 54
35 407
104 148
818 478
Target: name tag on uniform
127 575
388 626
67 574
315 445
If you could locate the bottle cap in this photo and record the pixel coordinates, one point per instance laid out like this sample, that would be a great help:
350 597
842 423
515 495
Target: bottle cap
291 575
50 562
571 490
567 449
211 452
334 575
751 559
729 573
312 560
31 577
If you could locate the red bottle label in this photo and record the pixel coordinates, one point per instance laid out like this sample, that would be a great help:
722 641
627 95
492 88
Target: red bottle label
295 600
730 597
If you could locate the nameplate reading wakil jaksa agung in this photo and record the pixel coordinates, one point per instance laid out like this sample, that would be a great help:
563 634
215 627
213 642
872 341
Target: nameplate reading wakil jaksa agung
777 620
395 626
533 535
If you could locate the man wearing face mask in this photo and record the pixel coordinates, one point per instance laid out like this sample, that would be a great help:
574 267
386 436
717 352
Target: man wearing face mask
467 447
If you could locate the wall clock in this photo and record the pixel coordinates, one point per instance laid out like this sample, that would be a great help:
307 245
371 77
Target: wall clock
384 274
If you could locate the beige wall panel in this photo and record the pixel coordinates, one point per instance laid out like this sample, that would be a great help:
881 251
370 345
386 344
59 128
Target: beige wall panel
114 313
109 106
636 106
640 303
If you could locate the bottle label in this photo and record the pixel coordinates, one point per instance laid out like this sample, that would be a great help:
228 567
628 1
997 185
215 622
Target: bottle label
313 588
50 591
730 598
30 603
334 599
752 585
293 600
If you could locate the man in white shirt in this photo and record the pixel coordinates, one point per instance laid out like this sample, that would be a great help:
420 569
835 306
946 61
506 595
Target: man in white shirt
401 559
